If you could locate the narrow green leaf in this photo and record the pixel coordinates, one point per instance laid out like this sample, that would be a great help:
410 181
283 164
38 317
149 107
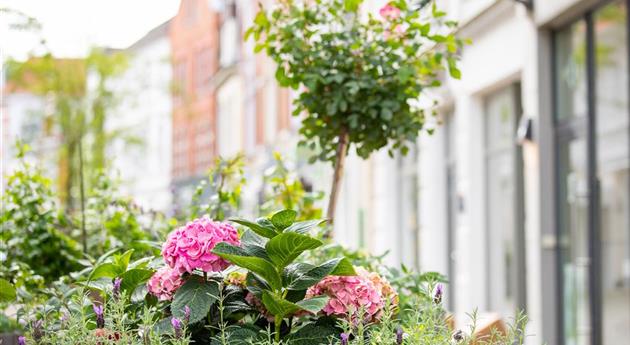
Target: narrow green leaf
284 248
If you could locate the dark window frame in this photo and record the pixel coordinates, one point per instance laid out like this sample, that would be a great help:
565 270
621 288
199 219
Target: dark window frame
566 130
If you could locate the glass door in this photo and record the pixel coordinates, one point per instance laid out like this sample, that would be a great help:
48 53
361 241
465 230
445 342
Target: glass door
573 182
613 169
592 116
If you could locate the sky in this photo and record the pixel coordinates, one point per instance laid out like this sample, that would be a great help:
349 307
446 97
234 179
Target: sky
71 27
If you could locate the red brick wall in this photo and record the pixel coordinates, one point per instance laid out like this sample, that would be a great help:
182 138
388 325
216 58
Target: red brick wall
194 35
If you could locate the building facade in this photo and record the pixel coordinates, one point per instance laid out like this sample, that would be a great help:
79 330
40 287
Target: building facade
225 97
521 197
142 156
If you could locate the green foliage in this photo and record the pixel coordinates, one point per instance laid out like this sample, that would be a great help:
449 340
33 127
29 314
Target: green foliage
224 185
79 112
7 291
285 190
198 295
361 78
268 251
115 221
31 236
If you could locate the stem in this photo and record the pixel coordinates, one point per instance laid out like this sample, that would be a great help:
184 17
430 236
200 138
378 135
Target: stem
82 194
342 148
277 324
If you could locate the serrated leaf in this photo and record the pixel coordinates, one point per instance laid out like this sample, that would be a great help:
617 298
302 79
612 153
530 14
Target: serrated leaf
242 258
284 248
314 304
139 294
303 277
250 237
239 335
133 278
106 270
283 219
7 291
312 334
304 226
122 261
278 306
257 228
198 296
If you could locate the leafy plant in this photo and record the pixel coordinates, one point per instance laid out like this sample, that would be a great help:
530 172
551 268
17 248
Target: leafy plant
268 251
31 221
284 189
359 80
115 221
223 189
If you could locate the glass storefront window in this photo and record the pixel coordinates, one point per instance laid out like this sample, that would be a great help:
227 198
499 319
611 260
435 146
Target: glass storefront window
570 65
613 168
574 256
503 216
594 176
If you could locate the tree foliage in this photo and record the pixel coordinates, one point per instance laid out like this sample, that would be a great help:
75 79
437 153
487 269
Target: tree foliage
356 75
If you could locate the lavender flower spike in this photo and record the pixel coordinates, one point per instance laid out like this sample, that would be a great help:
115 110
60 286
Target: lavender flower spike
116 289
186 314
344 338
21 340
177 327
100 319
399 336
439 291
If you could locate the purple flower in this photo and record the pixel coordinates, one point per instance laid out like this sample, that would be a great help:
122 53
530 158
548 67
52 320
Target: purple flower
116 289
458 336
439 291
399 336
100 319
177 327
186 313
344 338
37 329
21 340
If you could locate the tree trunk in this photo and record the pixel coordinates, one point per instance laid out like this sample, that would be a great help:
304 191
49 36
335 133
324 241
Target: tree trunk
342 149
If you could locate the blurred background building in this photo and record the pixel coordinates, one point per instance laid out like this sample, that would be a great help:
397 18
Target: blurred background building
521 197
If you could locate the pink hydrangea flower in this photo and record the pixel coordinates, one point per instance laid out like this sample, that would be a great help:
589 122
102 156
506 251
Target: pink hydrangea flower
390 12
349 296
164 283
190 247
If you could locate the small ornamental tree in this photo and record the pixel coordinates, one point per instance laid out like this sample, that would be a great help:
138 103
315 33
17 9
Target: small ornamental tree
360 75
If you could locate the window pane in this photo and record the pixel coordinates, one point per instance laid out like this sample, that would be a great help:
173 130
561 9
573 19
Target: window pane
571 72
502 182
574 254
613 168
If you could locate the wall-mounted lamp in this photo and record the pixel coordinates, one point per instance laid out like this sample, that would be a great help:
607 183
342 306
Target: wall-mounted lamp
524 132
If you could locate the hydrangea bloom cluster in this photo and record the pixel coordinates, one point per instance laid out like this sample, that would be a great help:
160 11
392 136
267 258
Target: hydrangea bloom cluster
387 292
365 292
190 247
164 283
390 12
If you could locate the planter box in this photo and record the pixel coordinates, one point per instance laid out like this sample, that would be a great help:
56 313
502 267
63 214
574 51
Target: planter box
9 338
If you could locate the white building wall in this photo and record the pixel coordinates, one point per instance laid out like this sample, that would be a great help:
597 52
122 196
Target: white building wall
142 155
